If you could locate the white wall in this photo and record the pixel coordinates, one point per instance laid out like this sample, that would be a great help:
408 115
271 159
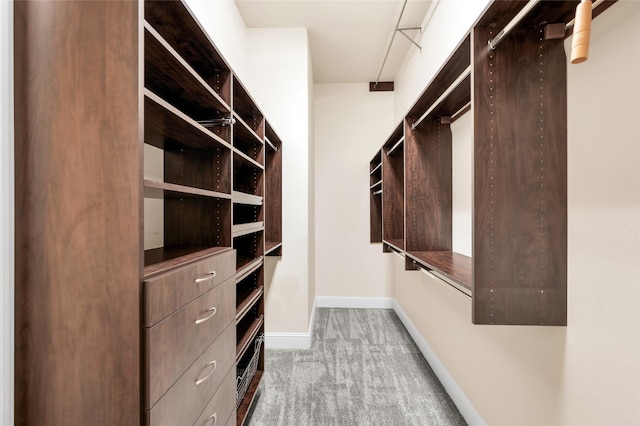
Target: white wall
443 28
278 79
6 213
349 122
587 373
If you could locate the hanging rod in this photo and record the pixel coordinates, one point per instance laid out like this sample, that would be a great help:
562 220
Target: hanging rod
439 277
494 42
395 31
395 146
275 148
226 121
466 73
595 5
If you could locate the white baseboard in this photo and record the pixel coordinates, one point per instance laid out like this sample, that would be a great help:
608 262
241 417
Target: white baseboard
354 302
468 411
292 340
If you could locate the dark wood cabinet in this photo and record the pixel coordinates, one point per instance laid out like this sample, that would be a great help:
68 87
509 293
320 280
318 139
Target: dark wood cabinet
141 209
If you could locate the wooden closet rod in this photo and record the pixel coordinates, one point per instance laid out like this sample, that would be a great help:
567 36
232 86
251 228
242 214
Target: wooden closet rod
466 73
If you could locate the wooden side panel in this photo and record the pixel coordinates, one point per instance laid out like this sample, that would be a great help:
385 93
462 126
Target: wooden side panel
78 211
429 186
520 180
393 194
273 196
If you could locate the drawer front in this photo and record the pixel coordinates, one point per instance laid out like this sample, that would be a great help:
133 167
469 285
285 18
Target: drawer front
222 406
185 400
167 293
174 343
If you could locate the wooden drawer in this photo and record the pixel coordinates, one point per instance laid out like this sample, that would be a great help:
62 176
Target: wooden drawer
185 400
222 406
167 293
175 342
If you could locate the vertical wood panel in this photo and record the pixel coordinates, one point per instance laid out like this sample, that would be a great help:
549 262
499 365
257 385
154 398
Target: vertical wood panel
429 186
520 173
78 239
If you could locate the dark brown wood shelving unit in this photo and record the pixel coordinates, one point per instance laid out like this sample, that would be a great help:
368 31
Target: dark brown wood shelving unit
375 198
170 228
517 96
273 193
393 191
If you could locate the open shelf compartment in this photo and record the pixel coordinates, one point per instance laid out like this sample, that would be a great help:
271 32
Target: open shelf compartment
178 27
273 193
393 189
246 109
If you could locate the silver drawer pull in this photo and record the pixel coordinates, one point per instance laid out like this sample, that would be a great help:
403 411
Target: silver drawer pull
209 276
213 417
200 381
208 317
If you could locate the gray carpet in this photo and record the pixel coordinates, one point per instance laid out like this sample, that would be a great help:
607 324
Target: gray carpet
363 368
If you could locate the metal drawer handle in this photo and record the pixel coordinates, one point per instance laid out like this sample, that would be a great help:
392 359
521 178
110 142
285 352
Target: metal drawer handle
213 417
200 381
208 317
209 276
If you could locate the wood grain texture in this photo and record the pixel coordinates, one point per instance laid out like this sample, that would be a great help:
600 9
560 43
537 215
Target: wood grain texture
457 62
78 212
455 266
520 175
375 201
429 186
223 404
248 142
174 343
273 190
247 109
197 222
184 401
393 188
176 24
168 128
248 177
165 294
247 402
249 248
170 77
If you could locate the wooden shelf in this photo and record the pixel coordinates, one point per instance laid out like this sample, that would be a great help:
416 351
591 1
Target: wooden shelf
271 246
247 401
247 270
376 184
247 339
246 132
454 266
246 109
168 75
244 264
376 169
244 159
244 198
246 228
248 302
177 25
170 190
165 259
167 127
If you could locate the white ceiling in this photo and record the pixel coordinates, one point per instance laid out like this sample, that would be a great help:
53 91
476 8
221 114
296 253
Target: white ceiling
348 38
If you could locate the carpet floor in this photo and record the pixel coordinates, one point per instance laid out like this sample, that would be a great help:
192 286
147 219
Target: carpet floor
363 368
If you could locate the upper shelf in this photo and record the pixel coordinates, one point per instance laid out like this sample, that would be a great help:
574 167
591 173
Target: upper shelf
245 107
155 189
167 127
454 67
177 25
169 76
